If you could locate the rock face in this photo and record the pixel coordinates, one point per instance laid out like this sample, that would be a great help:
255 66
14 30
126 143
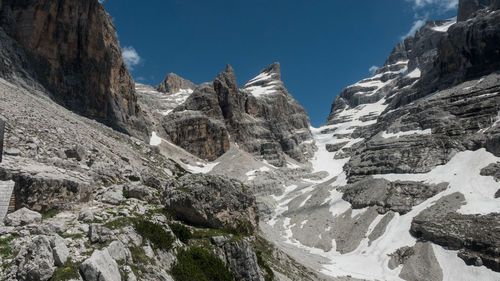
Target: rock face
475 236
241 258
212 201
71 48
262 118
173 84
467 8
395 196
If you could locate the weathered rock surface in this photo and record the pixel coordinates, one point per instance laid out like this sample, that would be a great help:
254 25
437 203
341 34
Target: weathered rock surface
476 236
73 51
492 170
59 250
36 261
22 216
99 233
241 259
419 263
100 267
2 130
395 196
212 201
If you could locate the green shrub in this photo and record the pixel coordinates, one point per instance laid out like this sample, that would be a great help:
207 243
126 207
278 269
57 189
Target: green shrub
263 265
181 231
69 271
199 264
155 233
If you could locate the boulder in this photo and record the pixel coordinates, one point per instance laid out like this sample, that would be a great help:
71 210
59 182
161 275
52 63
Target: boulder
99 233
118 251
36 260
212 201
86 215
77 152
23 216
142 192
100 267
113 195
59 250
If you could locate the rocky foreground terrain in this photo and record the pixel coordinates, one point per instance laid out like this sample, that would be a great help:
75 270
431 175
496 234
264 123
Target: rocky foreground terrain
101 180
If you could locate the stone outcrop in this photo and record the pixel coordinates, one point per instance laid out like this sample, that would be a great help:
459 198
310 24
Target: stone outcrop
173 84
395 196
467 8
71 48
212 201
241 258
271 125
475 236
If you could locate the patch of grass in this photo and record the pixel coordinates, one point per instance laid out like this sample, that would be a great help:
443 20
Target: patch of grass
125 193
263 265
119 223
199 264
155 233
50 214
181 232
5 249
134 178
139 259
184 189
68 271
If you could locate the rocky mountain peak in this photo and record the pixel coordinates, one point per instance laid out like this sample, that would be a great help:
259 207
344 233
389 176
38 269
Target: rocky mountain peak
274 70
227 79
173 84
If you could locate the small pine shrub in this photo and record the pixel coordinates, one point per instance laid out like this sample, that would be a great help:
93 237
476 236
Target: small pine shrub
199 264
181 231
155 233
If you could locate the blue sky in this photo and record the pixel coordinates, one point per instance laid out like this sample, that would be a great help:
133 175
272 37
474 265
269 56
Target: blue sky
322 45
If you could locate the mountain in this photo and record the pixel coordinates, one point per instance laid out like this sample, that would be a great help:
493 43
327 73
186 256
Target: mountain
105 179
262 118
71 49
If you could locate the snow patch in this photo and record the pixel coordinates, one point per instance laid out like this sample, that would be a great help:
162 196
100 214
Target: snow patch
155 139
386 135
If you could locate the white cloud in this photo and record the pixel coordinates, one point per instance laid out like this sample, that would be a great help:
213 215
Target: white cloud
373 69
415 27
444 5
131 57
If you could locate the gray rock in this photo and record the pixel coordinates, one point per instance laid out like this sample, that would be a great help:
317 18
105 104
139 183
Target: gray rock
492 170
113 195
23 216
243 261
59 250
475 236
396 196
212 201
100 267
400 257
118 251
99 233
143 193
77 152
36 260
421 264
86 215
